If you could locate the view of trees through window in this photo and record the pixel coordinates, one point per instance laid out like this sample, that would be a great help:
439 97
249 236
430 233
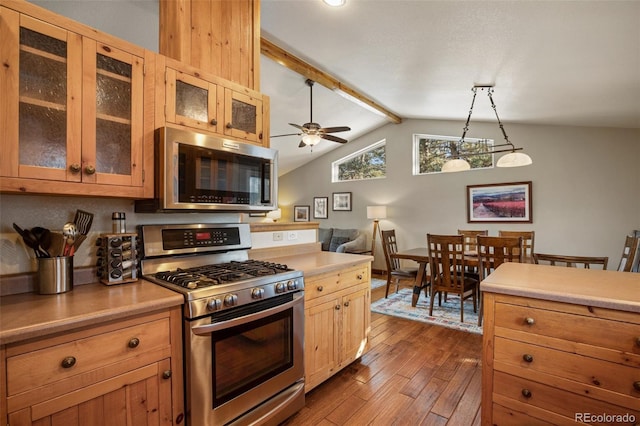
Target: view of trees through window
368 163
431 152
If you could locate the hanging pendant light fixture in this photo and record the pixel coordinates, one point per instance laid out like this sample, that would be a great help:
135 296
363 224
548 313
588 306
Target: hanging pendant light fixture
512 159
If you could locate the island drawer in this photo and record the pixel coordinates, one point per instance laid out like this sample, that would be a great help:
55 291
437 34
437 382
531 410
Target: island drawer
328 283
43 362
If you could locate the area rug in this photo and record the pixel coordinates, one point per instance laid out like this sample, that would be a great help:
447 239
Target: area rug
447 315
376 282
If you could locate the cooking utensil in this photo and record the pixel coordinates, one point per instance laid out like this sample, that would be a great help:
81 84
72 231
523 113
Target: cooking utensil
44 238
31 241
70 233
58 243
83 221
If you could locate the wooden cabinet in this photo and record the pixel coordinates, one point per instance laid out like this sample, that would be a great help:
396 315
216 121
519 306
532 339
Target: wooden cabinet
548 362
128 372
73 108
203 101
337 321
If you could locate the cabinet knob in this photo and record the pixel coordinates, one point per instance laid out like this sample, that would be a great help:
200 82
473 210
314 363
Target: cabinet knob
229 126
337 307
527 357
89 170
320 288
214 122
637 341
346 304
529 321
636 385
166 374
359 276
260 136
526 393
75 168
134 342
68 362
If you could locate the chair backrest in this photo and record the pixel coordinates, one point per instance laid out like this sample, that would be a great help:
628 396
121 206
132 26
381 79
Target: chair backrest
528 239
494 251
570 261
390 246
446 260
630 258
470 238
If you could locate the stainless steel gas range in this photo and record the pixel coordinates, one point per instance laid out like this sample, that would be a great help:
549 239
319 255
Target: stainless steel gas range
243 322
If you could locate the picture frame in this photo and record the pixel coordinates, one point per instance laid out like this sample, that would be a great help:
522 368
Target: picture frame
342 201
500 203
301 213
320 207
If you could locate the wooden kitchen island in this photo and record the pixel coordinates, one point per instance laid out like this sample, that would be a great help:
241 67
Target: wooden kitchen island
560 345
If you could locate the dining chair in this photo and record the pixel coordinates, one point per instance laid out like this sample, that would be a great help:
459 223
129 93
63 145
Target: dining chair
447 263
585 262
528 239
630 258
395 271
470 238
493 252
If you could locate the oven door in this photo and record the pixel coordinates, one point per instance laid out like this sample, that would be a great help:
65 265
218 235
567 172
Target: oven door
248 362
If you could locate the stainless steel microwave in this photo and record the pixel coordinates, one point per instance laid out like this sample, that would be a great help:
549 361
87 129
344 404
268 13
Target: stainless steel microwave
202 172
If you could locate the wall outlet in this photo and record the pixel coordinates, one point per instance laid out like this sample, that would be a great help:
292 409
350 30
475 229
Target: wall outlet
292 235
277 236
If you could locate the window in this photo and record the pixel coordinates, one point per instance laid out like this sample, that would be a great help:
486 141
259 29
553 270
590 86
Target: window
368 163
430 152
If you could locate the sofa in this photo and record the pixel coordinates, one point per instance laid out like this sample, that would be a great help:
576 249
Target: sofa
342 240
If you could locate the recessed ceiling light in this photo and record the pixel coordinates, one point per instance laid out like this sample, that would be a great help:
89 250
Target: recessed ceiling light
335 3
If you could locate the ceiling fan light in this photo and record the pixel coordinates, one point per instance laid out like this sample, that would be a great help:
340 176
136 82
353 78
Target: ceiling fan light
335 3
311 140
455 165
514 159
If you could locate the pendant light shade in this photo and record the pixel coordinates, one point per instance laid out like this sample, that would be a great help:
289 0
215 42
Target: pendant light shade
311 140
514 159
456 165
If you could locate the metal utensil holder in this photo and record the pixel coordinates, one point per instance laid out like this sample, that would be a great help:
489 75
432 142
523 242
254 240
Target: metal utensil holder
117 258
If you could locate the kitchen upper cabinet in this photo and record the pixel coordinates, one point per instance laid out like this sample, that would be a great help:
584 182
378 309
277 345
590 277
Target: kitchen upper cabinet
72 108
203 101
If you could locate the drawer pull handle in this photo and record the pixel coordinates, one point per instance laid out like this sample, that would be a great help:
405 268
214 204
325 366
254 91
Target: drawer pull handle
529 321
636 385
359 276
527 357
134 342
68 362
526 393
320 288
166 374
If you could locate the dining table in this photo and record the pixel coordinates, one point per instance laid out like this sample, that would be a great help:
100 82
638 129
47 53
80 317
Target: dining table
420 255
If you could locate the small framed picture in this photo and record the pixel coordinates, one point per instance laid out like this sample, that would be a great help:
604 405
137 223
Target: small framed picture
320 207
301 213
342 201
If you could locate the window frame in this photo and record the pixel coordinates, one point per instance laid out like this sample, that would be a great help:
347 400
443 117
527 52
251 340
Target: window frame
336 164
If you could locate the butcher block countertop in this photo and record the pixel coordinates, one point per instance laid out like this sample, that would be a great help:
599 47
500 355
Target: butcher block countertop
321 262
589 287
28 315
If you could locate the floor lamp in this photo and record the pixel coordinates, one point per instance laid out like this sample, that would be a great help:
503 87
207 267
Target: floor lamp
376 213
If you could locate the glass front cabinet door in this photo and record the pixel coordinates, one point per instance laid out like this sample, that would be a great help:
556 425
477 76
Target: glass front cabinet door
71 110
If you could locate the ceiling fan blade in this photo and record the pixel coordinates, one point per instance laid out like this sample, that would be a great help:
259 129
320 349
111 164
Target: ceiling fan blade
287 134
335 129
334 138
302 144
297 126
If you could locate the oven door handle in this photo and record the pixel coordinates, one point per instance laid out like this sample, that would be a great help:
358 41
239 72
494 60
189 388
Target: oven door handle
210 328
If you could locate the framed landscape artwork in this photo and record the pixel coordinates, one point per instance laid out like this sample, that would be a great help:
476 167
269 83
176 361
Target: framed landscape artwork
321 207
301 213
342 201
499 202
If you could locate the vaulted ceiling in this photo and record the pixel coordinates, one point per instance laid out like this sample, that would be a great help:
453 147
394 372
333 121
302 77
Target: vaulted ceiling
574 63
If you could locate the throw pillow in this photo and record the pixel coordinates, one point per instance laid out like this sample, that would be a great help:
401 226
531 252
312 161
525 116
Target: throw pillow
324 237
337 241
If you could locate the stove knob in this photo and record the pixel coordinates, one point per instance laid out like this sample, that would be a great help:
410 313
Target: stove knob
257 293
292 285
230 300
214 304
281 287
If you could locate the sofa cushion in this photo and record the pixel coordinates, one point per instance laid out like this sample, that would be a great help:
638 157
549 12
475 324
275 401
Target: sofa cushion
324 237
337 241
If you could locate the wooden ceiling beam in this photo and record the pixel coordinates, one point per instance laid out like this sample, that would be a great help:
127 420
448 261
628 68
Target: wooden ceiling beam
307 70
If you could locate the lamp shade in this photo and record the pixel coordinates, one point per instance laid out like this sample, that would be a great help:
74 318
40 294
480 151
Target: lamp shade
376 212
275 214
311 140
456 165
514 159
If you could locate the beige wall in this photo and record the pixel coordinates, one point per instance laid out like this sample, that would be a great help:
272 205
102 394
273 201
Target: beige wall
586 187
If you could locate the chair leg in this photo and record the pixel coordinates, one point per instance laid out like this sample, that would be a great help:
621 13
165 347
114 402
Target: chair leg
480 310
431 303
462 307
386 293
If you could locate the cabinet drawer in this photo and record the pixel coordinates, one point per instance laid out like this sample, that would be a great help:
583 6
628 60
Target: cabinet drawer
332 282
621 334
591 376
57 362
544 399
503 416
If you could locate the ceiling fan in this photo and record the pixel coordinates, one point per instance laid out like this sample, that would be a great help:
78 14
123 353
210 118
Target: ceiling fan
312 132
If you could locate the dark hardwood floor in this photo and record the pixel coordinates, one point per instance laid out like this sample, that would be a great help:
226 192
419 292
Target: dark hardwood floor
413 374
